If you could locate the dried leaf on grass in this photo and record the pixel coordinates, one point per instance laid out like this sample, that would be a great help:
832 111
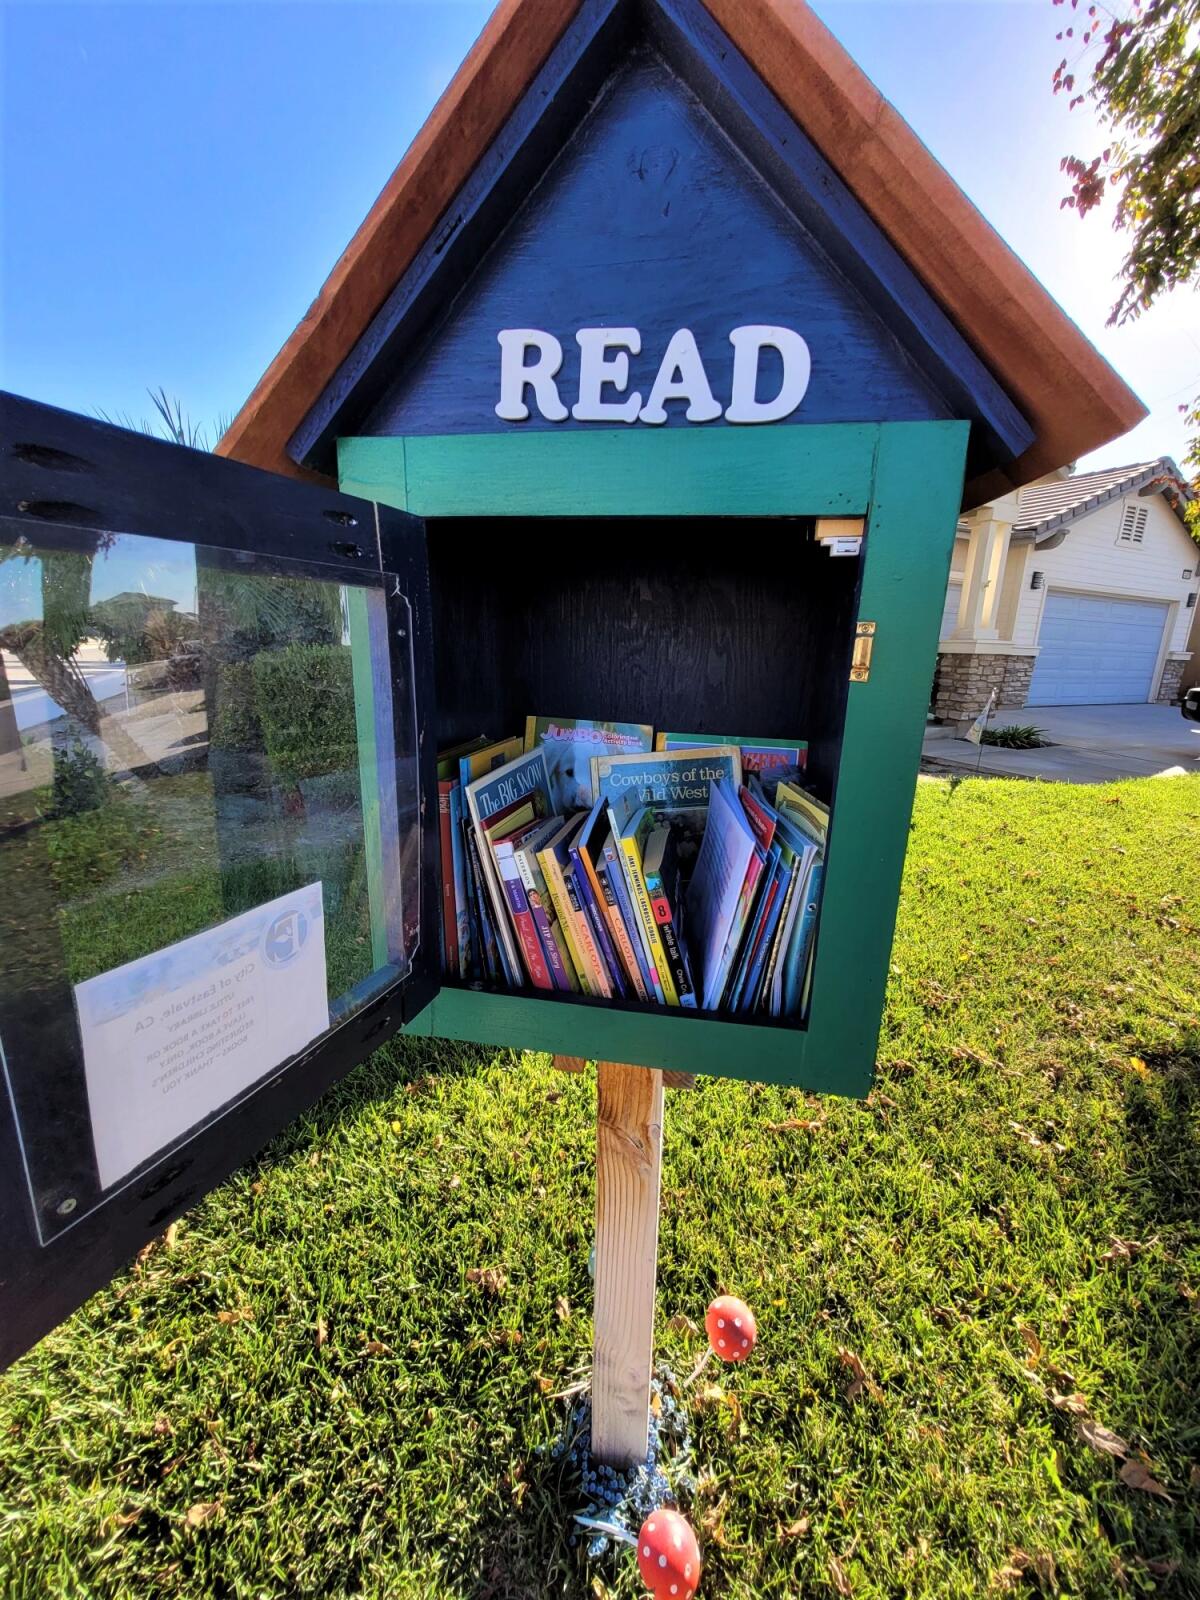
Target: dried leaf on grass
1075 1405
1020 1564
376 1347
321 1336
203 1511
1100 1438
1126 1249
562 1308
795 1125
240 1314
1135 1476
861 1380
681 1324
492 1280
838 1578
796 1530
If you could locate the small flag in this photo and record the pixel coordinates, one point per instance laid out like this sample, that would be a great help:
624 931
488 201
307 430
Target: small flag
975 731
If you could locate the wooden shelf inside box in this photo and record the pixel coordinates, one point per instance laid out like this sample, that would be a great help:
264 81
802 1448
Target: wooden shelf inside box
697 624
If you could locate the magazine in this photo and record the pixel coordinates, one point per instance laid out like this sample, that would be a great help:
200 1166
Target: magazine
569 746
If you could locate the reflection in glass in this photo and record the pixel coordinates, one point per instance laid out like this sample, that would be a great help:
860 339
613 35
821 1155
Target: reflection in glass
185 735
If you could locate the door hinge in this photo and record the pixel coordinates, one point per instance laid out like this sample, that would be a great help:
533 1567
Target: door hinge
864 643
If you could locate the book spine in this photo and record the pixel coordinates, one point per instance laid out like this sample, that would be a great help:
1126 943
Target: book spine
759 930
552 873
522 918
544 921
799 955
660 905
595 914
597 972
772 989
641 901
637 936
462 914
490 963
449 912
620 932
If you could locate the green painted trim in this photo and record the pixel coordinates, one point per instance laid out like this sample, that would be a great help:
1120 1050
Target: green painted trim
670 472
915 499
365 722
907 479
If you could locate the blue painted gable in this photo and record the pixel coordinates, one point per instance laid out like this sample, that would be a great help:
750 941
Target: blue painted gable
651 218
649 179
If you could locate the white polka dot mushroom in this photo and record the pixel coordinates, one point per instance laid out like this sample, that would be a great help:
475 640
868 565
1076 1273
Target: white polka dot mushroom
668 1556
731 1328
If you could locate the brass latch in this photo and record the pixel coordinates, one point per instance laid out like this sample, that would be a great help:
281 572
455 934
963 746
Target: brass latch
864 643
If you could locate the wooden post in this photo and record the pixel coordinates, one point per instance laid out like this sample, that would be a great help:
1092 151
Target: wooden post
629 1116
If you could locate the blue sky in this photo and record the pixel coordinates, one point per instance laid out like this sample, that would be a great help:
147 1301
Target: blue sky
179 177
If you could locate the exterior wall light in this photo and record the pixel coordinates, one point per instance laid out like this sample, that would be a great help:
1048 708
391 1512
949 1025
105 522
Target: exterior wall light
1038 580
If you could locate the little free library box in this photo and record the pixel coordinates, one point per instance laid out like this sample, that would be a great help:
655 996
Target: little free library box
649 392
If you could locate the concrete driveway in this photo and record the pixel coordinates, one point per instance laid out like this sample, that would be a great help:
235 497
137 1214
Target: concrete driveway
1091 744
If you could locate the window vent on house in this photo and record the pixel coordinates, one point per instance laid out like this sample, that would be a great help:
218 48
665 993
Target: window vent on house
1133 525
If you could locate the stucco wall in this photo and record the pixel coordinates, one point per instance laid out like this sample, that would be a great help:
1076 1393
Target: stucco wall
1090 560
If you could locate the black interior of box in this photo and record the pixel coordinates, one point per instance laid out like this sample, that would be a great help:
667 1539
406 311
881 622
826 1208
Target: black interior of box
700 625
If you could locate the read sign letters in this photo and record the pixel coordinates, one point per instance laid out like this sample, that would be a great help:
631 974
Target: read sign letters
530 361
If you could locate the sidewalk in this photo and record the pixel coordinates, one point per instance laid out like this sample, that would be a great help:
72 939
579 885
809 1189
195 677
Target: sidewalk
1091 744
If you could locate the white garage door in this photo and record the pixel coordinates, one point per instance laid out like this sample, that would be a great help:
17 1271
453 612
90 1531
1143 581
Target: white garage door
1096 652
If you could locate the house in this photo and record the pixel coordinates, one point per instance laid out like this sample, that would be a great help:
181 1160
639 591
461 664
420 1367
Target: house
1079 589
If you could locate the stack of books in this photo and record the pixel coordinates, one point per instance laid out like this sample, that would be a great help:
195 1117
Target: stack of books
591 858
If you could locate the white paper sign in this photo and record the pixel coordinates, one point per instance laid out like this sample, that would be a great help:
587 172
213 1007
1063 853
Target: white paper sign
172 1037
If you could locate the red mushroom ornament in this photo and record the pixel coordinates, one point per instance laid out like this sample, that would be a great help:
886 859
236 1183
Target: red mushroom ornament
668 1556
731 1328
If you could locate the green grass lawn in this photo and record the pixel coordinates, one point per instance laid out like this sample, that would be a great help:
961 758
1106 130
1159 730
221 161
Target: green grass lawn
301 1392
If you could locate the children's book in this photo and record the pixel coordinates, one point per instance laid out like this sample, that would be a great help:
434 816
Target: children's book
584 850
715 893
758 755
487 757
541 906
759 935
462 907
454 910
553 857
627 942
676 783
614 876
503 846
660 866
569 746
492 800
798 960
632 826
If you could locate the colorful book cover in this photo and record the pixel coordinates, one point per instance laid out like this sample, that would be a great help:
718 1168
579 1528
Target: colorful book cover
494 962
716 890
494 797
758 755
618 881
622 938
484 758
551 859
804 808
597 967
632 825
660 867
584 849
676 783
504 848
805 859
569 746
541 906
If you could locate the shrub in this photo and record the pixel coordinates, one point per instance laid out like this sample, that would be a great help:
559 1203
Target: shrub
305 699
80 781
1016 736
236 724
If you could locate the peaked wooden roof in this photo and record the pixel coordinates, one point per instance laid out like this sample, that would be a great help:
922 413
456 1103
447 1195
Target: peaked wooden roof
1071 396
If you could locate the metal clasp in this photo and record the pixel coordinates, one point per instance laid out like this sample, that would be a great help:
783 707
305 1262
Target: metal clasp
864 643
